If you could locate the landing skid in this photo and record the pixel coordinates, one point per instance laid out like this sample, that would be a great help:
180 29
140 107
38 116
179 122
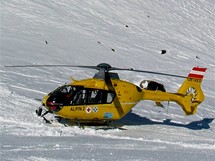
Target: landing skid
97 126
101 125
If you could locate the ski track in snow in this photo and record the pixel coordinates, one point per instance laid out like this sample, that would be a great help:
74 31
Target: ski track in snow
85 33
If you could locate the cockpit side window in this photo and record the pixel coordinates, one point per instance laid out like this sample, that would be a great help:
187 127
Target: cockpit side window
62 96
78 95
94 96
97 96
110 97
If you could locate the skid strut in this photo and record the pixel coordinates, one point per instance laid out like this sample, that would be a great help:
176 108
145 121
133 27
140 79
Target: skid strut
40 113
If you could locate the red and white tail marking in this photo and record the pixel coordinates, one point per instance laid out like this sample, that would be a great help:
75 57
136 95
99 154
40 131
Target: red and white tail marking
197 73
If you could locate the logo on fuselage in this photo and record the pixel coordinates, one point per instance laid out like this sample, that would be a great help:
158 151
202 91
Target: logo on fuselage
88 109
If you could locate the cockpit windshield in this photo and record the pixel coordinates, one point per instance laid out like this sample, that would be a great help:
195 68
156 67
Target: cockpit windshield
68 95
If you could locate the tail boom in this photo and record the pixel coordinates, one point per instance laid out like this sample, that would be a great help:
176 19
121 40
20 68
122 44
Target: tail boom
189 95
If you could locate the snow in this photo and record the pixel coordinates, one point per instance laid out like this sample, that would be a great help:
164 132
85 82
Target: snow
84 33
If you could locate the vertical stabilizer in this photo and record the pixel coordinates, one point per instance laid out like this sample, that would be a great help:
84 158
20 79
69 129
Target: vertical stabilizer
191 91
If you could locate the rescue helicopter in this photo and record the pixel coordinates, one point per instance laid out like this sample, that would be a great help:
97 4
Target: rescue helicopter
106 98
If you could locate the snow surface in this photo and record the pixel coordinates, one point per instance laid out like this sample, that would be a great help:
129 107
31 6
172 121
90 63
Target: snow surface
81 32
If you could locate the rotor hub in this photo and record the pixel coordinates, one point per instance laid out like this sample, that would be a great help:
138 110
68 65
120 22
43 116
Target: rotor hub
104 66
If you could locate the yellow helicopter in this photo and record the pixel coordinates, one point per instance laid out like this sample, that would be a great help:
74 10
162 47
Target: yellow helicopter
105 98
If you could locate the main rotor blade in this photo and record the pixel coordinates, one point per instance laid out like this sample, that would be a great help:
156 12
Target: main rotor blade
103 66
150 72
58 65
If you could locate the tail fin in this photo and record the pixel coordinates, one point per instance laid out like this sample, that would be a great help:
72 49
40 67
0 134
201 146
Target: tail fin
191 91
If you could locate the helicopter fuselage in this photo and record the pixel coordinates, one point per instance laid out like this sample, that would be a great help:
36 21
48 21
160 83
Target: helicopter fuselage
93 100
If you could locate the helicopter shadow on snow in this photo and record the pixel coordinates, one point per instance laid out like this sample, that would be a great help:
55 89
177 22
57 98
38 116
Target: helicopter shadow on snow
134 119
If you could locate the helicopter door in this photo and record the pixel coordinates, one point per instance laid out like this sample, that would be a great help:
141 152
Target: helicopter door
100 97
86 96
80 97
94 96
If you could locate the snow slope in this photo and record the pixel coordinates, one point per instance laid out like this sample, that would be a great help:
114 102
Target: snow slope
123 34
